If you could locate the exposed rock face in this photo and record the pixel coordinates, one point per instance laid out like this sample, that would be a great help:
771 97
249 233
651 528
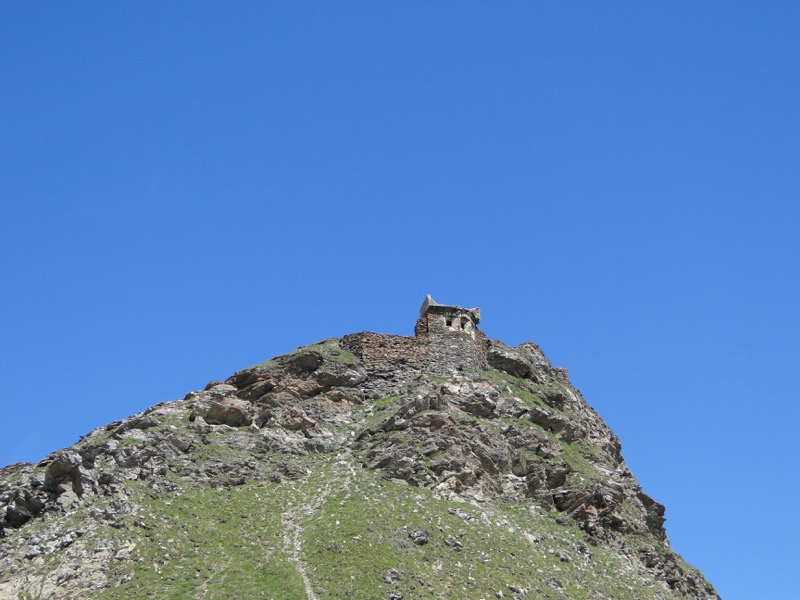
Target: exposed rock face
353 468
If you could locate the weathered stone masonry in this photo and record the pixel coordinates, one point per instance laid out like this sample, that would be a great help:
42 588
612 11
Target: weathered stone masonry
447 340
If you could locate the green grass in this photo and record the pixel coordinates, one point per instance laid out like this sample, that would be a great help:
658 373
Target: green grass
385 402
237 543
584 470
211 544
521 388
359 537
375 413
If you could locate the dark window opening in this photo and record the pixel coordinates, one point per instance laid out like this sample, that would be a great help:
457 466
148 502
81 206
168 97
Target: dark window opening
448 321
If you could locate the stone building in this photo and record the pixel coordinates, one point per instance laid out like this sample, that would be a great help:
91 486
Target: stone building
451 337
440 319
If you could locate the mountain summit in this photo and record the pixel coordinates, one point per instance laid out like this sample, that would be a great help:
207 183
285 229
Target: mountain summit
374 466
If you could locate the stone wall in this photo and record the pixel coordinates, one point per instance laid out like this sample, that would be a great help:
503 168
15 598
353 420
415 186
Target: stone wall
454 351
384 354
394 357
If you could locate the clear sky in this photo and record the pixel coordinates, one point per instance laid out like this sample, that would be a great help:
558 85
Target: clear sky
191 188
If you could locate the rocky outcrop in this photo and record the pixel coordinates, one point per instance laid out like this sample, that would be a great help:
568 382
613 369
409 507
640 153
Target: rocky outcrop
319 429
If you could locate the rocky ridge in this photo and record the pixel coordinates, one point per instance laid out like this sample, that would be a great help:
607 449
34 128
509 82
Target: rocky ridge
361 467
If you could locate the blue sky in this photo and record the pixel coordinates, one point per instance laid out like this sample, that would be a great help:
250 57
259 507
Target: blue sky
188 190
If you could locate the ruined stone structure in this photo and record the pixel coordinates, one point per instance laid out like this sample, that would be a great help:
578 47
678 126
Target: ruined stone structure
447 340
451 337
437 320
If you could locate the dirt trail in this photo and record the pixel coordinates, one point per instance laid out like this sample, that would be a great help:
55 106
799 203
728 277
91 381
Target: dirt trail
304 507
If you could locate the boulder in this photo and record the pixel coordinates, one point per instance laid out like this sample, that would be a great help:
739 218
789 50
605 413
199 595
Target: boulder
419 537
224 411
512 361
63 465
302 362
